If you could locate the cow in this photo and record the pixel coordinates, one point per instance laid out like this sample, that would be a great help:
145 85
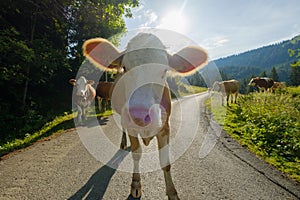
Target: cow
227 88
141 95
263 83
83 96
103 92
278 85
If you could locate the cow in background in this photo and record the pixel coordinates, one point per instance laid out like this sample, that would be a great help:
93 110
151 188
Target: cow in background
103 93
228 88
278 86
83 96
263 83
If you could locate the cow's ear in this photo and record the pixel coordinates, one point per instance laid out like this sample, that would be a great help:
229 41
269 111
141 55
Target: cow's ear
188 60
102 54
72 81
91 82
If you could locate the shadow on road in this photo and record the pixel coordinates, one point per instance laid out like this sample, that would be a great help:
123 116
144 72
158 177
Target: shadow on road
96 186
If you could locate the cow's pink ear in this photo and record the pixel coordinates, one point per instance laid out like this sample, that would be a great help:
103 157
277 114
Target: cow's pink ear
72 81
101 53
188 60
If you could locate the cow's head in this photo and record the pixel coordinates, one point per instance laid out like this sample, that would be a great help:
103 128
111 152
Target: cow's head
138 94
81 86
254 81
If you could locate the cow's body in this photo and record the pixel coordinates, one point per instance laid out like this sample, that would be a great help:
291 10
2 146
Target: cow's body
103 93
141 95
228 88
278 85
263 83
83 96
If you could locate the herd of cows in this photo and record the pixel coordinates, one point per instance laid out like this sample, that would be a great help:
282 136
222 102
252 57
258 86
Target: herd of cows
230 88
143 96
85 94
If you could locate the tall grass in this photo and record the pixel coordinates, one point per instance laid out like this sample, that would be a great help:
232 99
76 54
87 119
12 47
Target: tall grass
269 125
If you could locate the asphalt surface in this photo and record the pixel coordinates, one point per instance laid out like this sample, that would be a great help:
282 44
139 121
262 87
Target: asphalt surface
63 167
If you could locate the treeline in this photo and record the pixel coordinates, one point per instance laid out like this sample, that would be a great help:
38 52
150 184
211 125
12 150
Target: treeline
265 59
40 48
279 61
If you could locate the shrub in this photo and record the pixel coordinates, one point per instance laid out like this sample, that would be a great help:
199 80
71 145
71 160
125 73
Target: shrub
269 125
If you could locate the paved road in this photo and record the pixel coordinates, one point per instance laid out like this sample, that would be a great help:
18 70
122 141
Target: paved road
62 168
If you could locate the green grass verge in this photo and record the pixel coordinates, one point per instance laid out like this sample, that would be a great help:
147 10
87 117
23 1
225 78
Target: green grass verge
185 90
59 124
269 126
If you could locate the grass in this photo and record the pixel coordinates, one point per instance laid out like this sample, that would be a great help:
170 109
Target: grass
269 126
59 124
186 90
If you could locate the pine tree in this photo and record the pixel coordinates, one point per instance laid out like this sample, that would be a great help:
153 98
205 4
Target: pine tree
263 74
294 76
274 75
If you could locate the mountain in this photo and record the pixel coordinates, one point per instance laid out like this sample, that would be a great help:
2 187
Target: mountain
254 62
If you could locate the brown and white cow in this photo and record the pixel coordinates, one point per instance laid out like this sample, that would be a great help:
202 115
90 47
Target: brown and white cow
83 96
103 93
263 83
141 95
227 88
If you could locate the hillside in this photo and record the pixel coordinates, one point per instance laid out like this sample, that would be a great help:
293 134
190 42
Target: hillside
254 62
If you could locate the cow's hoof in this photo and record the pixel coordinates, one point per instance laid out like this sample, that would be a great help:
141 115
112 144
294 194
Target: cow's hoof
136 189
174 197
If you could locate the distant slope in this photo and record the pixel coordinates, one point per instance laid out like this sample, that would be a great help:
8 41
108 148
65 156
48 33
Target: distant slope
262 59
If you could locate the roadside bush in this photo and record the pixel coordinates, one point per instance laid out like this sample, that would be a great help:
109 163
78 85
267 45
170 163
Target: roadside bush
269 125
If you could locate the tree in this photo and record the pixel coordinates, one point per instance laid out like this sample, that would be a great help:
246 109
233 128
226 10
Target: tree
40 46
274 75
294 78
263 74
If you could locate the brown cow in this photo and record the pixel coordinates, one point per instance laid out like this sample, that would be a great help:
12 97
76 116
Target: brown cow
141 95
103 92
83 96
263 83
278 85
227 88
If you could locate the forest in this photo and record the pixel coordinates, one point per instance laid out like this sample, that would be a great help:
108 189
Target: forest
40 47
278 61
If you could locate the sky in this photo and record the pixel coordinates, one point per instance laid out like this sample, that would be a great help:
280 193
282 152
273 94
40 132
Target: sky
222 27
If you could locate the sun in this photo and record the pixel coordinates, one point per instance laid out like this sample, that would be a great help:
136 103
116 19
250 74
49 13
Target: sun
174 21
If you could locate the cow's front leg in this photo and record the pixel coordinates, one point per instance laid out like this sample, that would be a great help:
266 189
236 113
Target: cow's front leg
99 104
84 111
79 115
136 188
236 96
163 146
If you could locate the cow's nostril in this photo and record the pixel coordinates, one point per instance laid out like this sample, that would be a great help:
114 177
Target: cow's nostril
147 119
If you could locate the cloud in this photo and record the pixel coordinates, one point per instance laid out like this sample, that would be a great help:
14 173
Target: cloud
215 42
149 17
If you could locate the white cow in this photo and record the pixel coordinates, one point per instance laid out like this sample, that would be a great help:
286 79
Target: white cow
83 96
141 95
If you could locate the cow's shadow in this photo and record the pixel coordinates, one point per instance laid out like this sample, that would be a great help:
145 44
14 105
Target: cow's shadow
96 186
